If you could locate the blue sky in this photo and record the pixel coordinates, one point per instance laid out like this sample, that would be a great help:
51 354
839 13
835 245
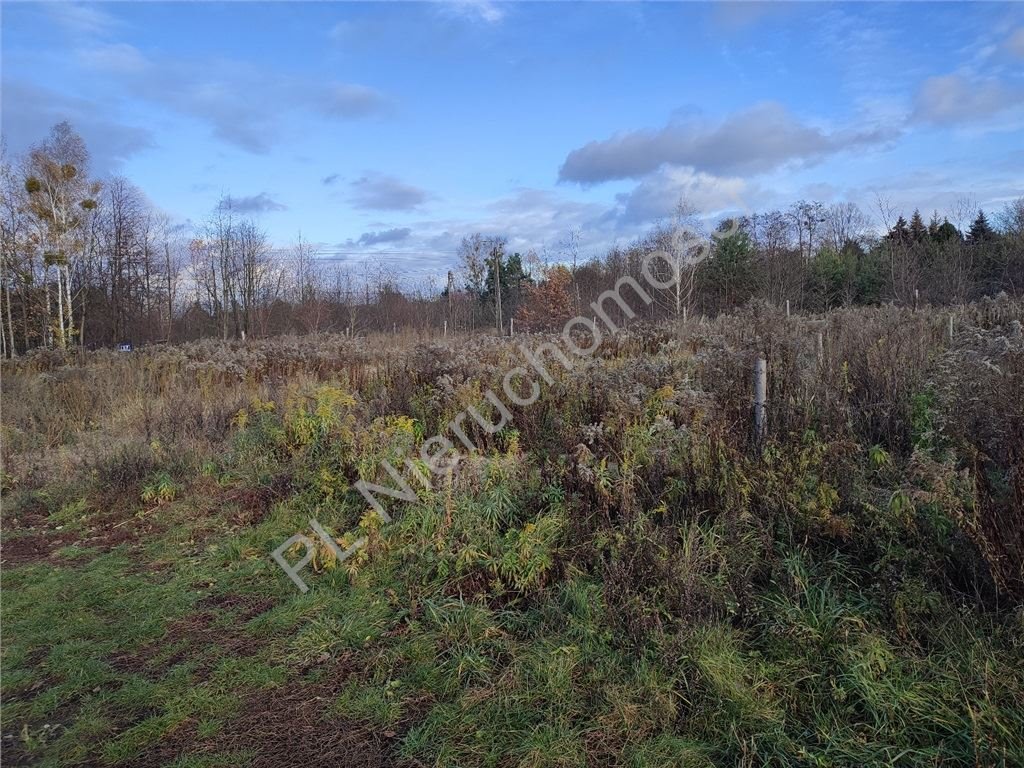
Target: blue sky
396 128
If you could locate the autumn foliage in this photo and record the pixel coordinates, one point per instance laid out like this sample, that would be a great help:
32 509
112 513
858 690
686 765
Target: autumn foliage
548 304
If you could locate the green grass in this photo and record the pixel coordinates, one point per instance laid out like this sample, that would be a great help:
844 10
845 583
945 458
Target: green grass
535 676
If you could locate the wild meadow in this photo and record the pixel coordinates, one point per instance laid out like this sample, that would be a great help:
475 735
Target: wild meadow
620 576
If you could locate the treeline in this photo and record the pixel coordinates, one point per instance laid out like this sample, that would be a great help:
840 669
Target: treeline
815 257
812 256
92 263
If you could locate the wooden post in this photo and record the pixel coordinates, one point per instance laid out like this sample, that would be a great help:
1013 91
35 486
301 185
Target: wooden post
451 294
511 326
760 401
497 292
950 327
787 309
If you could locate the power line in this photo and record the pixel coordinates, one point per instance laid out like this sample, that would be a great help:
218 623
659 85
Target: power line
329 255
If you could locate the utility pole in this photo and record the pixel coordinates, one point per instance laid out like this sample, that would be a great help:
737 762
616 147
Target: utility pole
497 290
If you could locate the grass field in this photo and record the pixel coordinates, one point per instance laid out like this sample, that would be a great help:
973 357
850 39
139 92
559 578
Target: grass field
618 577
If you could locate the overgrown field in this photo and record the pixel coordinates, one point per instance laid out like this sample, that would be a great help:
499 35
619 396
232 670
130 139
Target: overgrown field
618 577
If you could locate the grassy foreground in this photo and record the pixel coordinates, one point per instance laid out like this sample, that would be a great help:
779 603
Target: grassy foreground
616 578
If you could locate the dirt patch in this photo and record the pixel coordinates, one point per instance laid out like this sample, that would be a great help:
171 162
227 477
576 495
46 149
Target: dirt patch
34 538
254 504
16 751
473 586
290 725
115 523
27 549
242 607
199 636
115 532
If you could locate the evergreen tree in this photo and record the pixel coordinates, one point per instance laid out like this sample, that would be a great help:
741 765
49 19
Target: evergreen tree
918 231
729 272
832 277
980 231
946 232
869 277
900 231
514 279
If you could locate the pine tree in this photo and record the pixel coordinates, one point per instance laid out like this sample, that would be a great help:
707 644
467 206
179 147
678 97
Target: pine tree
946 232
918 232
980 231
900 232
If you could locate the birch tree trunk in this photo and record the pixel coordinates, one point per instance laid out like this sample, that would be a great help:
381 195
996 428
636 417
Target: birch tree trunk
61 338
48 317
68 310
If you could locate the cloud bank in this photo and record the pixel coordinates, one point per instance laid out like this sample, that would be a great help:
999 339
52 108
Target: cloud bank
379 192
756 140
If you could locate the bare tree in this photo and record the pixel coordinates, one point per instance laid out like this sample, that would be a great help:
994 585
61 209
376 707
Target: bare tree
808 218
57 186
308 287
14 244
903 265
254 258
474 251
845 223
123 213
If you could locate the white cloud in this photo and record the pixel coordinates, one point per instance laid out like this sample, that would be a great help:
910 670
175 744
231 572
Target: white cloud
80 19
117 58
350 100
261 203
30 110
221 93
379 192
477 10
1015 43
756 140
956 98
380 237
657 196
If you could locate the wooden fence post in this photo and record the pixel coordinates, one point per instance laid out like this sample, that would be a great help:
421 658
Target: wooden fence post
760 401
787 309
950 327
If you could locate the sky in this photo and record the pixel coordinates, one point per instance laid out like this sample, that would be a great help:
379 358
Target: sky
385 132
